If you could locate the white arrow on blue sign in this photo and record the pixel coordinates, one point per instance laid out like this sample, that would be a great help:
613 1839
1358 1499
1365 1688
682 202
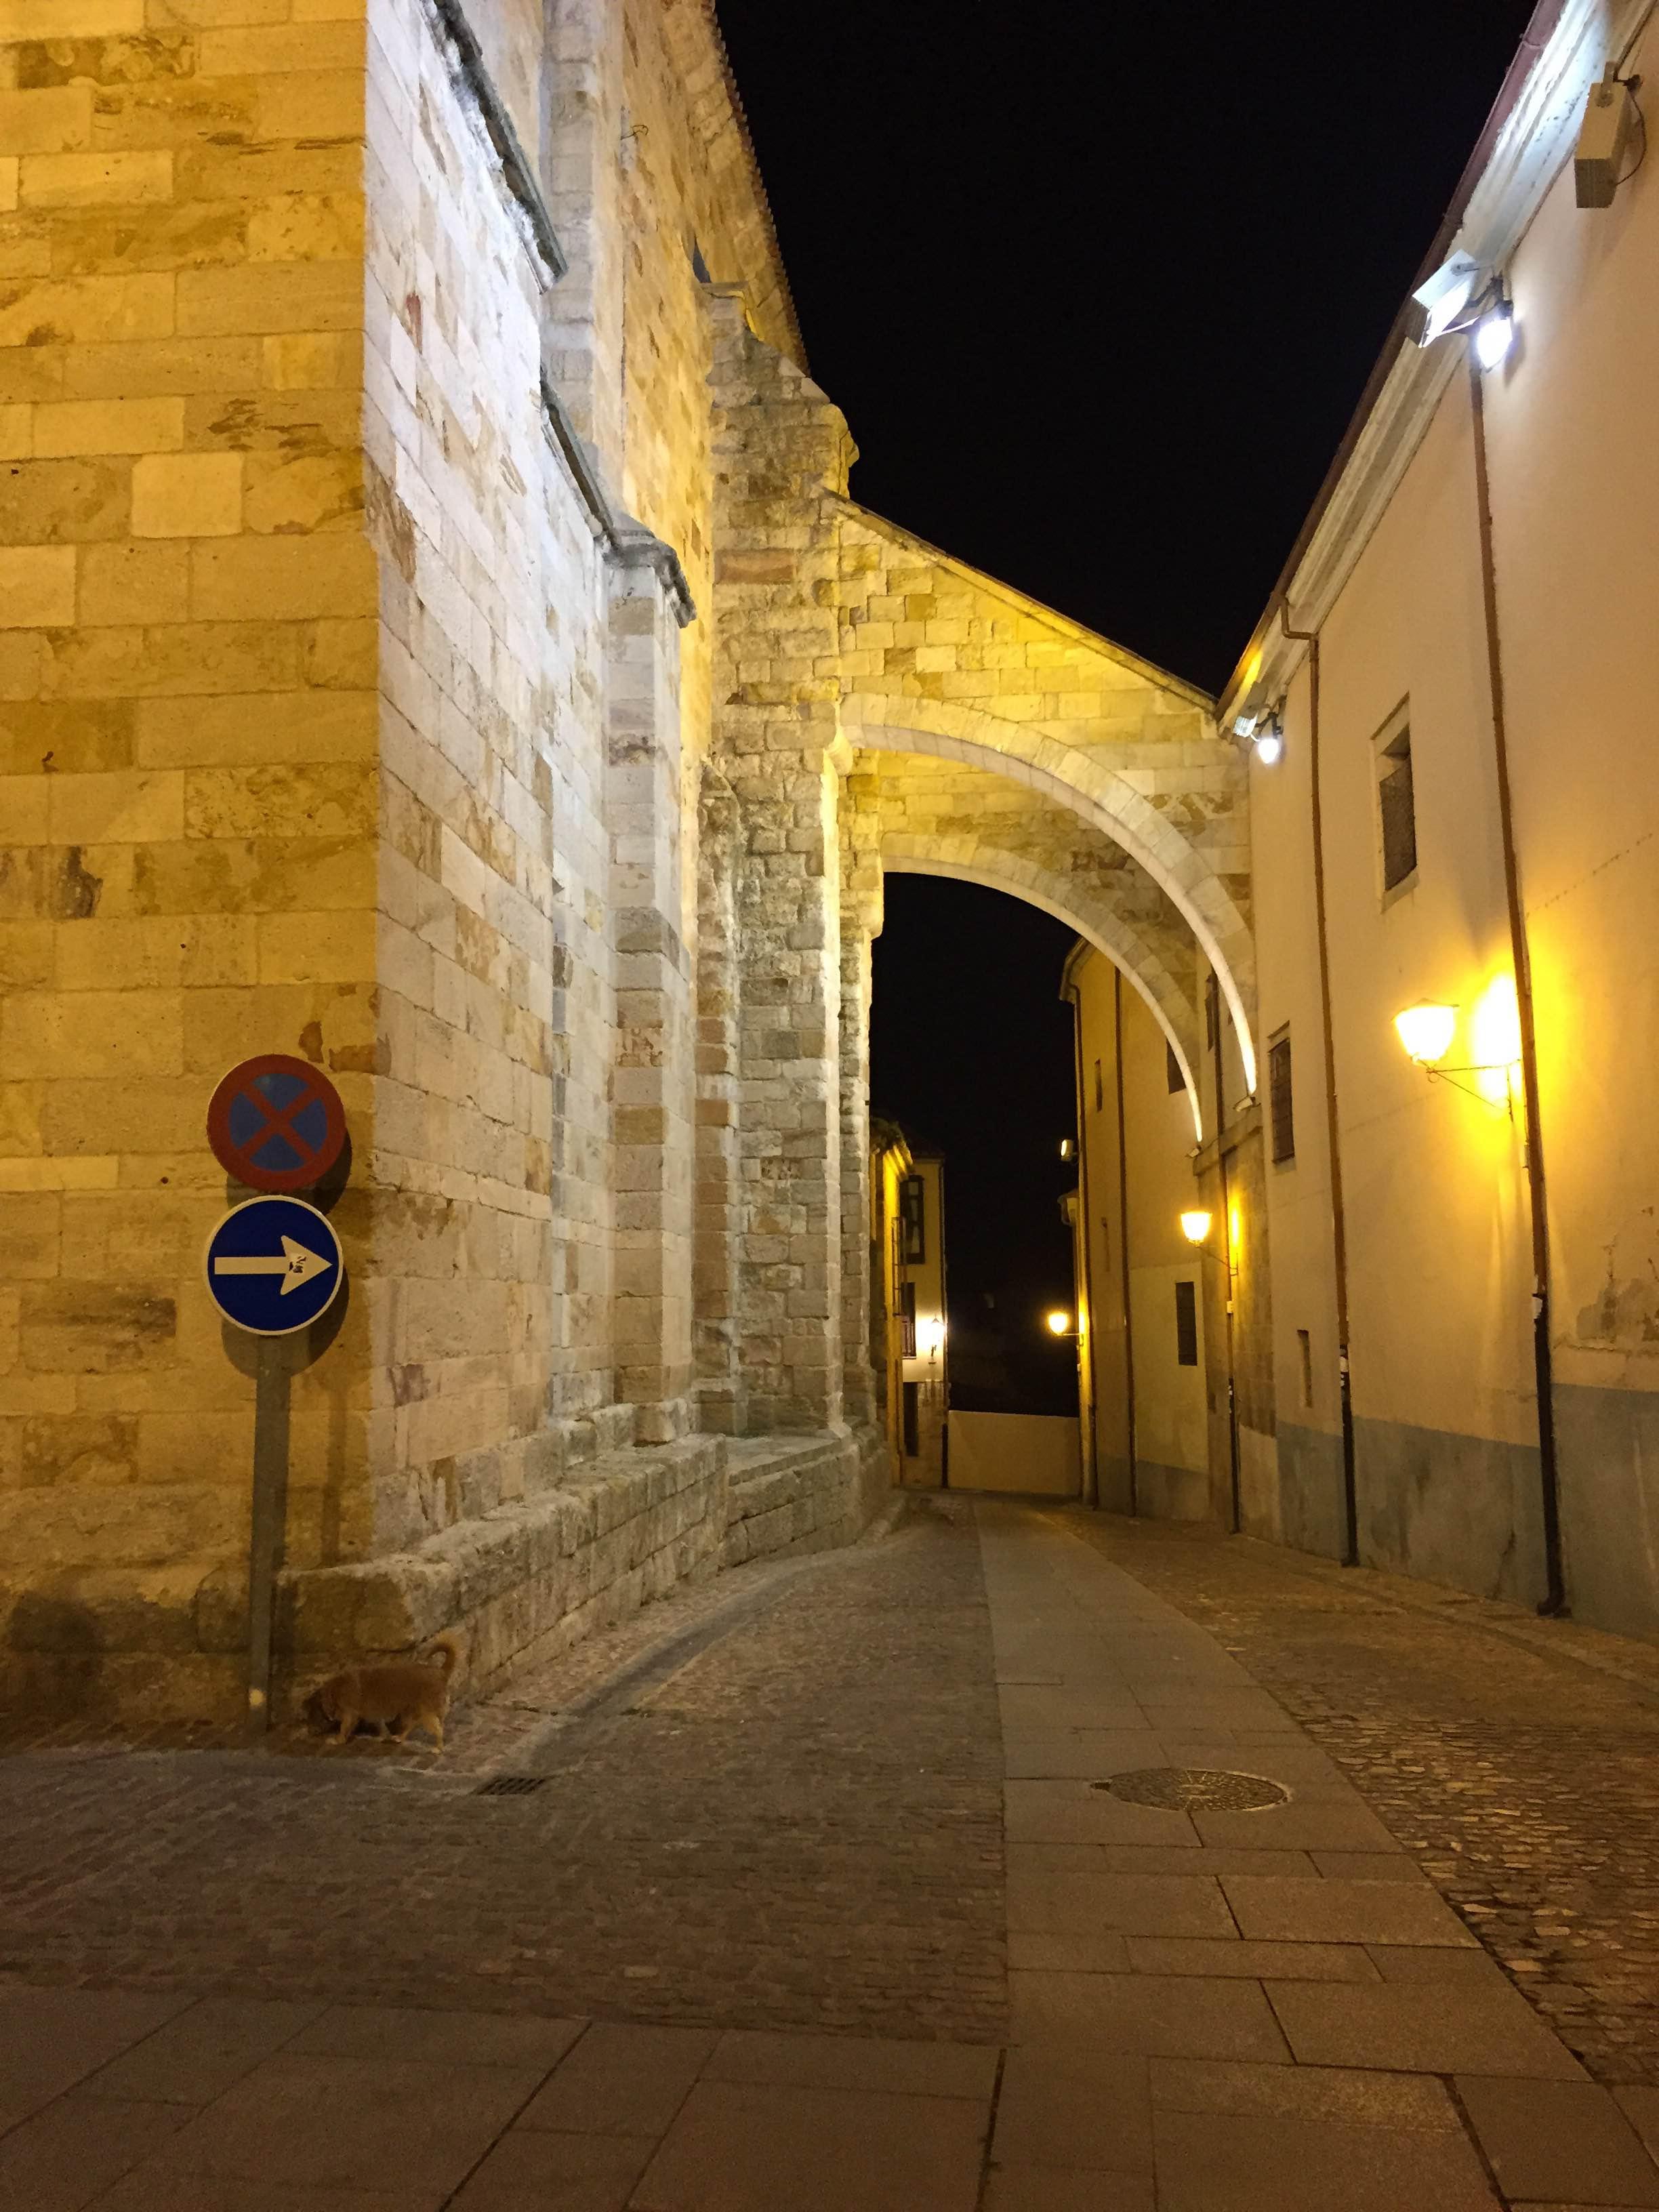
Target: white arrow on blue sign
273 1266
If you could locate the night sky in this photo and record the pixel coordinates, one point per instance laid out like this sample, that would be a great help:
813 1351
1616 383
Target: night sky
1097 288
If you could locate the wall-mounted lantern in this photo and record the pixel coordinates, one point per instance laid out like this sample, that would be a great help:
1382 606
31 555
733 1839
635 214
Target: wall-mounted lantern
1058 1322
1427 1031
1195 1226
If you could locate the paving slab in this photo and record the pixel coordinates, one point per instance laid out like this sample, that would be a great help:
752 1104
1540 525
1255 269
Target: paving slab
622 2079
539 2170
1302 1826
66 2156
845 2062
1404 1962
1150 2015
1550 2139
745 2146
51 2038
1046 2189
1302 1962
1081 1755
1234 2163
1161 1858
197 2055
1098 1903
1069 1954
465 2039
1639 2102
1329 1910
1071 1811
342 2123
1370 1866
1473 2029
1074 2108
1414 2104
149 2192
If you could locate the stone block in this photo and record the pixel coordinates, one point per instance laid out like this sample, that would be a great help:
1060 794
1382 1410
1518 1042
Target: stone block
187 495
284 579
64 427
37 587
137 584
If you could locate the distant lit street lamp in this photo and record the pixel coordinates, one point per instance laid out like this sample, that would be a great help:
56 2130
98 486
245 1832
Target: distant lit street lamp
1195 1226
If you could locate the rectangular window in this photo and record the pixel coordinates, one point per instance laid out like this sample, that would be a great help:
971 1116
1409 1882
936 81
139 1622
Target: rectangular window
1396 807
1172 1074
1305 1348
1100 1088
907 1320
1280 1110
912 1219
1186 1324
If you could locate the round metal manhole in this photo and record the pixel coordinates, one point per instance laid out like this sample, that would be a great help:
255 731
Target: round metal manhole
1194 1790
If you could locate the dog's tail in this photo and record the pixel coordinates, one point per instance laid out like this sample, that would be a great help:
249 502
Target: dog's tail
446 1651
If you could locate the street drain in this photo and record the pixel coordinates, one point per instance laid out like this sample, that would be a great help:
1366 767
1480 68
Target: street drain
511 1785
1194 1790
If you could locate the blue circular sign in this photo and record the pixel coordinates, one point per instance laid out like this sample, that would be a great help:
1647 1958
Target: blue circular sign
274 1265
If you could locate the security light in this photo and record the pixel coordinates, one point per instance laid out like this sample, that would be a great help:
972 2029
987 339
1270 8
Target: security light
1269 747
1437 304
1611 118
1494 334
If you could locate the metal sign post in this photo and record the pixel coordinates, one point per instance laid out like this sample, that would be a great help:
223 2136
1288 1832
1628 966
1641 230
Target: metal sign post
273 1267
269 1516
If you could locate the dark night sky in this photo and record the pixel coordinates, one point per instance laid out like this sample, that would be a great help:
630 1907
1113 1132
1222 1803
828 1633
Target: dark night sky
1098 287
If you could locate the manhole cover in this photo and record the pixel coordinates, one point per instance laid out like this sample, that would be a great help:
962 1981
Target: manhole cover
1194 1790
511 1785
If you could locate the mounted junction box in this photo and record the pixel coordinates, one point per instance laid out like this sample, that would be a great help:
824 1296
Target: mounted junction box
1611 120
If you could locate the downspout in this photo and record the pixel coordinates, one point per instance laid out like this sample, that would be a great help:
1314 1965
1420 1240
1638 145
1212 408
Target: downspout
1086 1368
1554 1603
1333 1136
1123 1240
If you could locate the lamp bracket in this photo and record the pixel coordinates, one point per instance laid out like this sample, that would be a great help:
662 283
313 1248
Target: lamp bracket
1506 1068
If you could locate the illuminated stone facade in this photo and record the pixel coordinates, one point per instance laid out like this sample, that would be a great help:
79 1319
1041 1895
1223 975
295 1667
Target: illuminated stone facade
437 639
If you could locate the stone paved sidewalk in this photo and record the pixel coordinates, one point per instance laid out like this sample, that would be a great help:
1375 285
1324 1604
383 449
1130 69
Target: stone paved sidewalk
1517 1760
257 1984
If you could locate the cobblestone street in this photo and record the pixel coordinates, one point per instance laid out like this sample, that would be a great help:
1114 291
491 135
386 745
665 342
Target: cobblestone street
774 1930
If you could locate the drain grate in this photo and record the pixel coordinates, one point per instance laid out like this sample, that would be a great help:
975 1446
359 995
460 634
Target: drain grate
1194 1790
511 1785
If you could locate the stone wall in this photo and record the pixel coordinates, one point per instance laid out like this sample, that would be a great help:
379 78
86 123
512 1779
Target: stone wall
189 794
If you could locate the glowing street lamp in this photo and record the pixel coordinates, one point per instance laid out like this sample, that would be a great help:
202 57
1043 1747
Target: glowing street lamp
1426 1032
1195 1226
1059 1322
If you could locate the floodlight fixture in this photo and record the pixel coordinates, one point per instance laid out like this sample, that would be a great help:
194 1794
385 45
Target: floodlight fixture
1494 334
1437 303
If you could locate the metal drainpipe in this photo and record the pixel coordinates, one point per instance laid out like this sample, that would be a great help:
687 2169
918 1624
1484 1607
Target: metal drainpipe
1124 1239
1333 1137
1086 1377
1226 1250
1555 1598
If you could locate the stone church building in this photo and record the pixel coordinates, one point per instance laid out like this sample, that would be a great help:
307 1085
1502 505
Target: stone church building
438 642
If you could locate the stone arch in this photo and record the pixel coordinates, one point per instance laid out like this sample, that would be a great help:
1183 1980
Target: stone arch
1111 934
1104 794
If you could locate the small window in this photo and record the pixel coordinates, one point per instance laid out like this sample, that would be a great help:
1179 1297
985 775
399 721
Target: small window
912 1219
1278 1097
1396 806
1186 1324
1305 1348
1100 1088
907 1320
1172 1074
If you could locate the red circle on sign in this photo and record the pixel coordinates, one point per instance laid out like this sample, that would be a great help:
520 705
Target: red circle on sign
276 1123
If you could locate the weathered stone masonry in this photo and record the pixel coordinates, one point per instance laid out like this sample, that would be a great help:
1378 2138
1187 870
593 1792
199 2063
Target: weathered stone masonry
437 638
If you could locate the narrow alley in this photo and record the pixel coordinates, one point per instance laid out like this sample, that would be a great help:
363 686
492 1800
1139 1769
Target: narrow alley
733 1907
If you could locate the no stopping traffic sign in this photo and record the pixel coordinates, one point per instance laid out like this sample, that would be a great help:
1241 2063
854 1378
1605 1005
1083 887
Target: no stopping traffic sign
276 1123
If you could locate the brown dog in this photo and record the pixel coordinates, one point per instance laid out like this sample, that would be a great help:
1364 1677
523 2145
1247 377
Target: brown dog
396 1695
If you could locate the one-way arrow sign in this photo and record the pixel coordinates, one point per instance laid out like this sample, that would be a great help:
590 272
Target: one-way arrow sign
273 1265
296 1266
